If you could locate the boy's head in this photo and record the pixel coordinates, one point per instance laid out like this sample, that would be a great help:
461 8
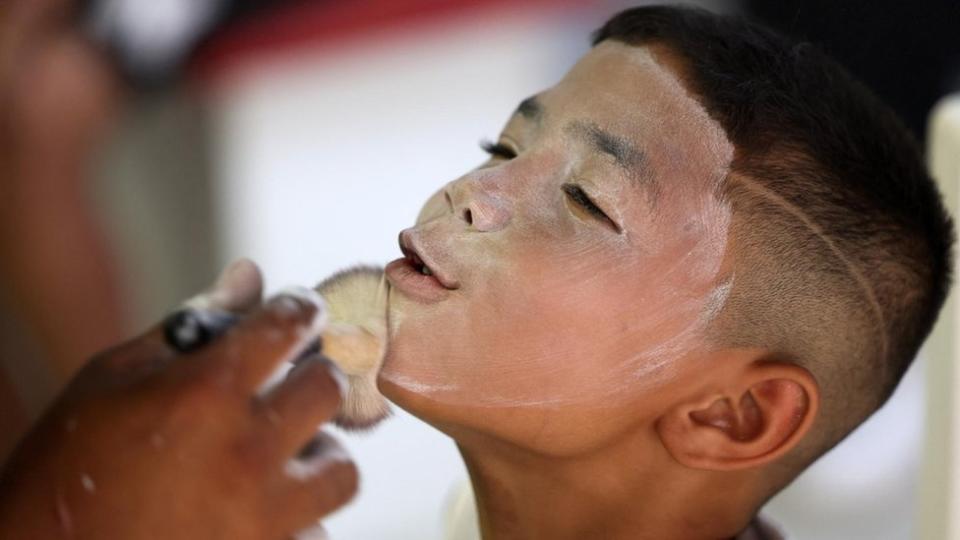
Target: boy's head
706 241
840 240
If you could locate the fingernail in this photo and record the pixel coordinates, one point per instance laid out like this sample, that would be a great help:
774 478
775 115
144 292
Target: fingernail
321 452
238 287
240 275
300 297
339 377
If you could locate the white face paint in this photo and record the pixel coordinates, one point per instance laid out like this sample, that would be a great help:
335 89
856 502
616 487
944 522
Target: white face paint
560 309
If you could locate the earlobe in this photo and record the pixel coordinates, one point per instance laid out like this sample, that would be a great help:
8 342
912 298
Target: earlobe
762 413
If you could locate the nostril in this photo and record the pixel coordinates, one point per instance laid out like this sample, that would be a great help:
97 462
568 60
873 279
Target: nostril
468 216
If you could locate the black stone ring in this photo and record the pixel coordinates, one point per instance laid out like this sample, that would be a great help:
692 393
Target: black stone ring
190 329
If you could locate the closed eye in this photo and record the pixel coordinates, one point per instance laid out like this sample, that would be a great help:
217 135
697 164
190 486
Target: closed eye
579 197
497 150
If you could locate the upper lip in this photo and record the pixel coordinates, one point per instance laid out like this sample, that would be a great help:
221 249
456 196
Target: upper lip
415 254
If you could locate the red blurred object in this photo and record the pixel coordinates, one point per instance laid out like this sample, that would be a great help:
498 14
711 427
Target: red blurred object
322 23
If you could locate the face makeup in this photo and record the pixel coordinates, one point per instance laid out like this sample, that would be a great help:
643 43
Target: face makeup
578 264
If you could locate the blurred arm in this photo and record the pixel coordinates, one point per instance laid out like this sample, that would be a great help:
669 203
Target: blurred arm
56 271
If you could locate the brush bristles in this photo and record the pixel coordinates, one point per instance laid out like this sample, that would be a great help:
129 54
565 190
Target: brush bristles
355 340
363 407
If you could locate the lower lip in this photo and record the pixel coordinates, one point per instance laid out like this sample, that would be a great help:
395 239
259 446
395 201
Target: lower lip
427 289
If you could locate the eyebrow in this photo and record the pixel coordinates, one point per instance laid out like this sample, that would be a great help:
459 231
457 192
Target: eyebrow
627 156
530 108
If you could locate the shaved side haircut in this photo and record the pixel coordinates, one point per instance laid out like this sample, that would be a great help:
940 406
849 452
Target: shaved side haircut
840 244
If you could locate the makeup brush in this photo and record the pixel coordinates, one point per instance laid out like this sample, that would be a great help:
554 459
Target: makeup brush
355 340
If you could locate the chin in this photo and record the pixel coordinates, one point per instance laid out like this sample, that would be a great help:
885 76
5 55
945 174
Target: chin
422 405
397 394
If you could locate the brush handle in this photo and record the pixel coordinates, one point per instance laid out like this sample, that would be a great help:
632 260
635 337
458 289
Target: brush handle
189 329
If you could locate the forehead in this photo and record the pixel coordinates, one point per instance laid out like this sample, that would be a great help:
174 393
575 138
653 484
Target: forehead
638 94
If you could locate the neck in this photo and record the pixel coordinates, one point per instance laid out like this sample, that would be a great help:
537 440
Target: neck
625 491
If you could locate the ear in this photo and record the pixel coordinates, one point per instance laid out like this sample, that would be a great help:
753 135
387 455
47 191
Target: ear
750 416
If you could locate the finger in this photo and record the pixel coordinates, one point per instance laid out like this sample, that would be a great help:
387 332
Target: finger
238 289
273 334
308 397
319 483
212 312
131 359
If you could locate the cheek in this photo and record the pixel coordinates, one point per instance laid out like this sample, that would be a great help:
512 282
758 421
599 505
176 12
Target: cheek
601 314
547 329
605 317
530 333
575 320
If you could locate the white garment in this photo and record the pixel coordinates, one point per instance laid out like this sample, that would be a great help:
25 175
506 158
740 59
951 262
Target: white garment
460 519
460 514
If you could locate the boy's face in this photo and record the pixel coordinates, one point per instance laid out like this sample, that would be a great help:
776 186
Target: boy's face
568 323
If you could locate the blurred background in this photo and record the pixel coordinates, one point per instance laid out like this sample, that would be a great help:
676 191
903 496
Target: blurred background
306 134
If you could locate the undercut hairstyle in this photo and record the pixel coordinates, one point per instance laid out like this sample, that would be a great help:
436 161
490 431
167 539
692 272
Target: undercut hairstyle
840 244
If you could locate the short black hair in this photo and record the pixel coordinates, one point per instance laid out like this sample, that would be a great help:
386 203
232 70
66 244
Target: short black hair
842 242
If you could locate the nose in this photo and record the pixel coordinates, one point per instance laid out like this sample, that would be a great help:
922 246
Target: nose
481 208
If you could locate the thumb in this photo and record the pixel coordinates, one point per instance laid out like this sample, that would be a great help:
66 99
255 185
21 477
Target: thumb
236 292
239 290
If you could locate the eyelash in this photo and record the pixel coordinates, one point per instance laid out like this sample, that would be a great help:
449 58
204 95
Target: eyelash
575 192
497 150
580 197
